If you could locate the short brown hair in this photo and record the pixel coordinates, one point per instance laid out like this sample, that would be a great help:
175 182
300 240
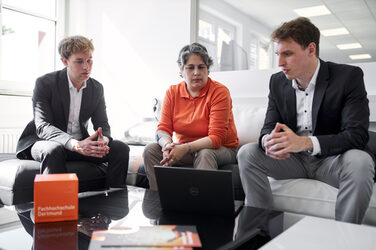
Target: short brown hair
301 30
74 44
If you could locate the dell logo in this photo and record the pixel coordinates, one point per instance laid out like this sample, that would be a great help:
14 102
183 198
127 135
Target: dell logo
194 191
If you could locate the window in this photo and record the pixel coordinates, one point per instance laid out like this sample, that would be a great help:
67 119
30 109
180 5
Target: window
27 43
260 53
206 30
217 36
233 40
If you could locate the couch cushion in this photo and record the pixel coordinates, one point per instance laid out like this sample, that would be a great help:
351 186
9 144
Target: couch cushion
372 142
135 161
248 121
7 156
372 147
17 178
312 197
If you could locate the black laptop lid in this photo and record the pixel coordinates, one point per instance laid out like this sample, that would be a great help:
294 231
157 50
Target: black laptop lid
195 190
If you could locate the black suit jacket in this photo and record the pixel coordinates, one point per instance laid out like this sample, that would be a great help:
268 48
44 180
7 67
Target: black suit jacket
340 112
51 101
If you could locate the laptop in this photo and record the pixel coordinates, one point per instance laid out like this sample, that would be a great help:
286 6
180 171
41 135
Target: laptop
197 190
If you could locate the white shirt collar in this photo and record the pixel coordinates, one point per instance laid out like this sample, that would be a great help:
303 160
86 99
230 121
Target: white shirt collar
70 84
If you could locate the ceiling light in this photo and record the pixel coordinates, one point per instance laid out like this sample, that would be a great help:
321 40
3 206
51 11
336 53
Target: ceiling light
360 56
319 10
345 46
334 32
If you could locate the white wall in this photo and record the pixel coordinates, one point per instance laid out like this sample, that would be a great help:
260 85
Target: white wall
136 48
15 112
369 70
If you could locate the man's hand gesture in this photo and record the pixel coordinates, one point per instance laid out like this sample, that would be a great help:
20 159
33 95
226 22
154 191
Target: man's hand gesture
92 148
282 141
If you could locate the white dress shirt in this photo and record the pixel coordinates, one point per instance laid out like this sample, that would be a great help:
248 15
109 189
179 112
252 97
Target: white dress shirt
74 112
304 100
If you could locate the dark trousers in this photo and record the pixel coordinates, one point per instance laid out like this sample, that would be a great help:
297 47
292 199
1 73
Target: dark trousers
53 155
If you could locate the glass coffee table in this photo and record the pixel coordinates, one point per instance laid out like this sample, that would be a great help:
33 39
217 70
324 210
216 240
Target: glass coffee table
133 206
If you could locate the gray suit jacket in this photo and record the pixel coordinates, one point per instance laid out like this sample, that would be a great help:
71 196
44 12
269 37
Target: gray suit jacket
340 112
51 101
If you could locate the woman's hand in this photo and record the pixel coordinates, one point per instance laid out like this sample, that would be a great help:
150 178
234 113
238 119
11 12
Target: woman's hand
166 153
173 153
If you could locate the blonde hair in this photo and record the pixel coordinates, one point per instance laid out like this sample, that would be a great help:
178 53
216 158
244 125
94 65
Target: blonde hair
74 44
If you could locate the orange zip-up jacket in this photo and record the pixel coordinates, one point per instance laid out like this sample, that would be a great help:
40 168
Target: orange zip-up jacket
193 118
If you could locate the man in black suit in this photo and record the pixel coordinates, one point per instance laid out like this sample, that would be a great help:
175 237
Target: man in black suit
316 126
63 103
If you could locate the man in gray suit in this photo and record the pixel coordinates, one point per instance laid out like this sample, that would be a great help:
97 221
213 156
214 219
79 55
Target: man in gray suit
316 126
63 103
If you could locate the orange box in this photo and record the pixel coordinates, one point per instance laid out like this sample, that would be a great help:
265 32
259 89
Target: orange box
55 197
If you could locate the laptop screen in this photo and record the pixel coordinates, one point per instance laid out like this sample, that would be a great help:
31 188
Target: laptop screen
196 190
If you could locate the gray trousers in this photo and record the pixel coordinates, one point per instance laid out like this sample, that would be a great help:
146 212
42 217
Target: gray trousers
203 159
351 172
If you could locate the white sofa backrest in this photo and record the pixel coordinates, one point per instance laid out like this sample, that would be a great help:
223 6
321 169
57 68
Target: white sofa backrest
249 116
248 121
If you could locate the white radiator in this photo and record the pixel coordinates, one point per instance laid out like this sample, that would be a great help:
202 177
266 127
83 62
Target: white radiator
8 139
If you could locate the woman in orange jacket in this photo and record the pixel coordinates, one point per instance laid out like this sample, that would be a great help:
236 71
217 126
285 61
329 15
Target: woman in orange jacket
199 111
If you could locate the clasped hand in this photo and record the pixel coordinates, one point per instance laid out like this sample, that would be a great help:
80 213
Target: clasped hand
282 141
90 147
172 153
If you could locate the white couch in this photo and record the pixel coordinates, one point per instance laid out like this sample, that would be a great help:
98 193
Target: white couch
297 197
